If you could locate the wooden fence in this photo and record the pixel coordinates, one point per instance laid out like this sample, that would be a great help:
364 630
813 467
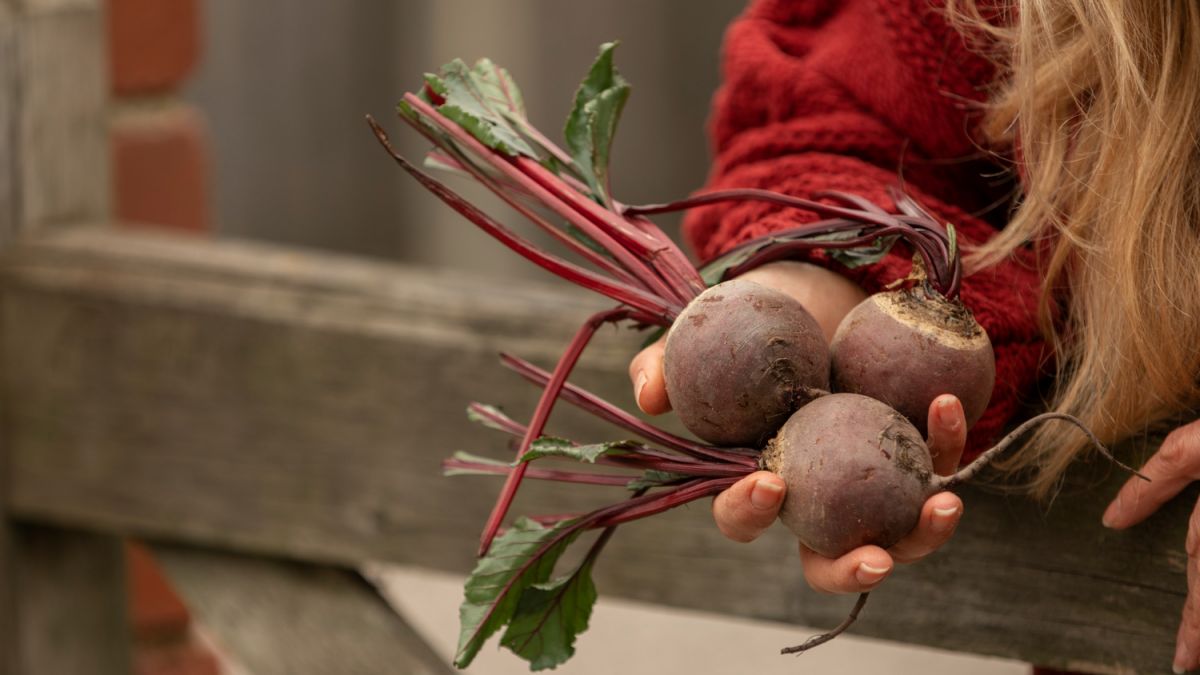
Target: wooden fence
272 419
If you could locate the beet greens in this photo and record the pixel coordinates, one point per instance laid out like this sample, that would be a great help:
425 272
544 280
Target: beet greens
476 121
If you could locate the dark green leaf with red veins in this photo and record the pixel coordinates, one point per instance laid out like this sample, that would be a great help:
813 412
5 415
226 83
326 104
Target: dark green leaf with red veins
714 272
549 446
494 589
654 478
473 99
859 255
593 121
549 616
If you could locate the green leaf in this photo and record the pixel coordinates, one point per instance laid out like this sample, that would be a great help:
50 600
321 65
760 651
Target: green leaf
714 272
499 89
474 416
861 255
472 101
521 557
952 235
549 446
549 617
593 121
476 459
654 478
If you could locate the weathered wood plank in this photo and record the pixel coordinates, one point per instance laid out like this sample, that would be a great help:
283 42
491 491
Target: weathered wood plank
298 404
8 124
277 618
70 593
60 147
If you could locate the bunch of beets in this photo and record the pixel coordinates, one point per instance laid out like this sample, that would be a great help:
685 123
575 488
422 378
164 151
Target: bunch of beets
747 368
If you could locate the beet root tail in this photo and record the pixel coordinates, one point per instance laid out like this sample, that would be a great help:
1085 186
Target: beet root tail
817 640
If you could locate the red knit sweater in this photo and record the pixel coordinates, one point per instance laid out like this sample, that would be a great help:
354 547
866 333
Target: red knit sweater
850 95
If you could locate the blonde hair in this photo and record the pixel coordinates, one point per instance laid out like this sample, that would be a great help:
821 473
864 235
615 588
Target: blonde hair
1100 100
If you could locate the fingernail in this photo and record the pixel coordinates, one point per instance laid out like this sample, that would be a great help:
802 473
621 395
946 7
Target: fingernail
947 413
944 519
1178 669
638 386
1182 658
766 493
868 575
1109 519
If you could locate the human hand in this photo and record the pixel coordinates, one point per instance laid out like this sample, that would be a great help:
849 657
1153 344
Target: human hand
752 504
1173 466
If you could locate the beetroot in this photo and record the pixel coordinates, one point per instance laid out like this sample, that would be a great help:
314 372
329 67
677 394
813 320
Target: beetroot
908 347
857 473
740 359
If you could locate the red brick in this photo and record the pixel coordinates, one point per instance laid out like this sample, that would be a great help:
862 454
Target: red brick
152 44
155 610
160 167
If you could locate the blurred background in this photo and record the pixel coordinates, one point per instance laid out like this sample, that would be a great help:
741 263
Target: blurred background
284 86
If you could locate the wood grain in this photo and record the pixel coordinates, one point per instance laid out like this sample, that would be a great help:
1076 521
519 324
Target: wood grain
276 617
267 400
61 140
8 124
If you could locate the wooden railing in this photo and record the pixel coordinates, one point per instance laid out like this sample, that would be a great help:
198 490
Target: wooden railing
247 398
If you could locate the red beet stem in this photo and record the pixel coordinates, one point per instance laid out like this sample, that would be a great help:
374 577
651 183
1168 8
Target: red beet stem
508 425
785 247
669 499
610 413
540 473
548 189
664 258
512 194
926 236
542 413
655 310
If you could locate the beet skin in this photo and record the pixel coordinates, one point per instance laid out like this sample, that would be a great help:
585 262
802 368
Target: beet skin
908 347
857 473
739 359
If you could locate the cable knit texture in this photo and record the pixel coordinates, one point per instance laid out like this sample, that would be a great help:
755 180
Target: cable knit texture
855 96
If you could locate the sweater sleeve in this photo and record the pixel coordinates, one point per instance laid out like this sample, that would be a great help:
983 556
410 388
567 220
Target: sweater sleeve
856 96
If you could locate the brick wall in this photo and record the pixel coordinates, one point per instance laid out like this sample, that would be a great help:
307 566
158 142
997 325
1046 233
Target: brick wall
160 173
159 143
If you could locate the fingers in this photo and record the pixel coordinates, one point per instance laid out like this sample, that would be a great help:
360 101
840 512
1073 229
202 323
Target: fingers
947 433
1170 469
649 386
1187 641
858 571
939 518
749 506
